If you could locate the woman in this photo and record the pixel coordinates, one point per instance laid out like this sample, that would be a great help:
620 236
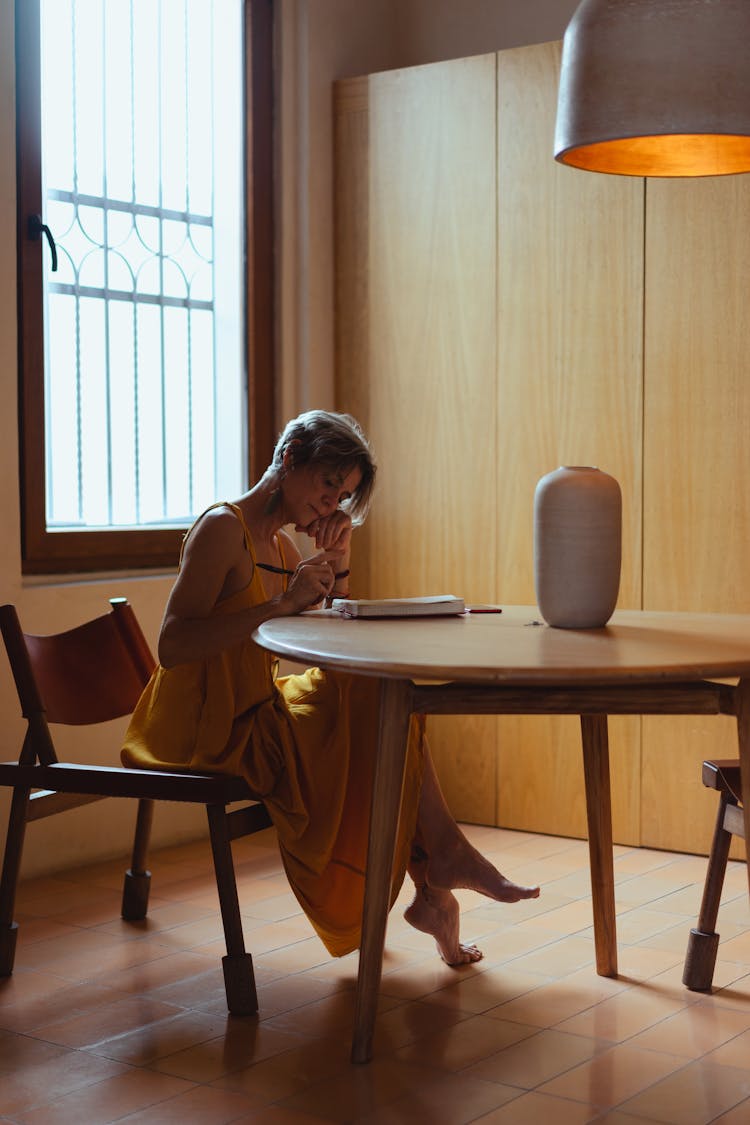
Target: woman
305 743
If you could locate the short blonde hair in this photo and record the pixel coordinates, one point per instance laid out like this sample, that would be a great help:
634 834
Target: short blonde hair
327 440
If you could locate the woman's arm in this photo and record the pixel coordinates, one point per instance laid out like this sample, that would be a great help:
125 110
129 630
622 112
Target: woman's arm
215 560
334 533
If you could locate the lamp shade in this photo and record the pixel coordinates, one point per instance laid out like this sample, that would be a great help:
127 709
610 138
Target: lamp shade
656 88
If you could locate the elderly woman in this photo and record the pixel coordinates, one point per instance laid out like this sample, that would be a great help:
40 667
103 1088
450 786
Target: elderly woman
305 743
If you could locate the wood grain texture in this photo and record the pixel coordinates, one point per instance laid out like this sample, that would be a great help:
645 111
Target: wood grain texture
629 652
539 757
432 335
697 396
508 650
570 365
416 357
569 320
497 325
643 662
570 276
696 458
351 264
598 804
395 714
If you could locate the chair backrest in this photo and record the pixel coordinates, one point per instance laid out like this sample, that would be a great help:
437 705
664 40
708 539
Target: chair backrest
88 674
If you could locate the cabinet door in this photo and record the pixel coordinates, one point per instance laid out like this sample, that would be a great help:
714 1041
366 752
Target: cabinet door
697 464
500 298
417 280
352 275
569 322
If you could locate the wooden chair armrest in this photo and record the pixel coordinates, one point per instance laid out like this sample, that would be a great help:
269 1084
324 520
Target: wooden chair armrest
119 781
723 774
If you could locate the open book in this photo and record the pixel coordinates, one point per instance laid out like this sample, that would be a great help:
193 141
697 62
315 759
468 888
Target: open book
442 605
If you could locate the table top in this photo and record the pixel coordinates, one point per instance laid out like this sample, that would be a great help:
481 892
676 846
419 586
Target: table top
516 647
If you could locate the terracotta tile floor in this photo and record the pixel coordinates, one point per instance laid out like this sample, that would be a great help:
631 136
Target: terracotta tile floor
107 1021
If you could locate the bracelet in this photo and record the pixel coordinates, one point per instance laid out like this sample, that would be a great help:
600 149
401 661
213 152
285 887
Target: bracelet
336 593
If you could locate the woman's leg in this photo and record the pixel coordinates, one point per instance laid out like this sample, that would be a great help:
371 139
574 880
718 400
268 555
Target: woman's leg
442 860
452 862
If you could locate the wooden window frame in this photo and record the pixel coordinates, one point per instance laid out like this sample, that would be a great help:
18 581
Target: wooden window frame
45 552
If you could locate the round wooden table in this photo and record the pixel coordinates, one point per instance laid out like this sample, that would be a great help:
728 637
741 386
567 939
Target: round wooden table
512 663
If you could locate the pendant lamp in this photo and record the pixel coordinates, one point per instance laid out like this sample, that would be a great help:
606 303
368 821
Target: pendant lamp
656 88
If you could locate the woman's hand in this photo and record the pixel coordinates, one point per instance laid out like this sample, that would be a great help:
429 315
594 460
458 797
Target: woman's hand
331 533
312 580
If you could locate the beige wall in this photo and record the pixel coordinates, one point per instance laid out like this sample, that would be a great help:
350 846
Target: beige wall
320 40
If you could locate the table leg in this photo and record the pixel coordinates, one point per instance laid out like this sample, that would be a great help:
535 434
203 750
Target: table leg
742 698
599 815
395 713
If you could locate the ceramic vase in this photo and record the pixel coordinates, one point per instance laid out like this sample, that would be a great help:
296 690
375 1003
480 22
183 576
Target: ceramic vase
577 546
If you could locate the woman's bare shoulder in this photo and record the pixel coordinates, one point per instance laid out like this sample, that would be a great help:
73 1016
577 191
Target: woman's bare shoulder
218 527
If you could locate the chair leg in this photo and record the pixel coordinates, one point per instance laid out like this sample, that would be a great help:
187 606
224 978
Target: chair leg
9 879
137 878
239 978
703 943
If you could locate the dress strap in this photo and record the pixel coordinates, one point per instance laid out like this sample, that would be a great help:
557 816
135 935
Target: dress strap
238 513
248 540
246 530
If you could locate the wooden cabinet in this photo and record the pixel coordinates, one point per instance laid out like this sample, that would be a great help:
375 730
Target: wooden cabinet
490 327
419 281
696 496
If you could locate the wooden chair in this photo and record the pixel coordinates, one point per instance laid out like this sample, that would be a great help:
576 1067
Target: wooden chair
703 943
91 674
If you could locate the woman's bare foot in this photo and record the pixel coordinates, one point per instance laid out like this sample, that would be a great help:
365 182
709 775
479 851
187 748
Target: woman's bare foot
436 912
459 865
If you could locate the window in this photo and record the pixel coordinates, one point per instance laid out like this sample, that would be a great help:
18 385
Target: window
143 394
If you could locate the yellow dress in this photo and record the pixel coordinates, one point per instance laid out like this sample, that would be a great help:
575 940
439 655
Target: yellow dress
306 745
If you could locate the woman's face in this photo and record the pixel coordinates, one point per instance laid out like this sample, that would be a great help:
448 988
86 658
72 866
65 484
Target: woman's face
313 491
